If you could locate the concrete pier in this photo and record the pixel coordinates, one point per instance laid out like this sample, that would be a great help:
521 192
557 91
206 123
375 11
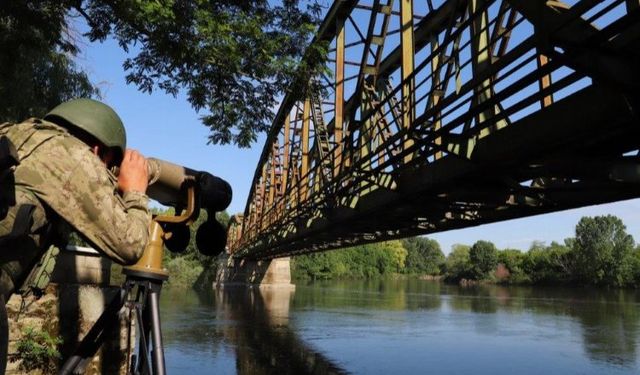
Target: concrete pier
79 290
275 273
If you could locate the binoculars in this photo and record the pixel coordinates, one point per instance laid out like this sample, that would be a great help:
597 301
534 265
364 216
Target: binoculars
189 191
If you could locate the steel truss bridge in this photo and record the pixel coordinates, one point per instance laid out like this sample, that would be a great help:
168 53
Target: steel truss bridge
448 114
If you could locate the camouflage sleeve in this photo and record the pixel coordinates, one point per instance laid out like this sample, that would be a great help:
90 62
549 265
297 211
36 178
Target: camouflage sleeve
78 187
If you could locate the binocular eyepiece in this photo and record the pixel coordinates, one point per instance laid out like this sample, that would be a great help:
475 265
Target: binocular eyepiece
168 184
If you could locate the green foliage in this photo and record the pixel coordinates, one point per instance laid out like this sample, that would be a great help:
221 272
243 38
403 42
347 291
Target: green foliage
484 257
364 261
552 264
458 263
513 260
37 350
37 71
603 251
184 272
423 256
636 266
397 260
233 59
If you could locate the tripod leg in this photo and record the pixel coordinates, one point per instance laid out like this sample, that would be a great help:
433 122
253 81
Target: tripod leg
144 364
156 330
94 338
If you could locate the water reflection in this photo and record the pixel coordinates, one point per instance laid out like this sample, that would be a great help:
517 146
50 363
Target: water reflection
191 332
264 342
609 320
377 294
367 325
610 326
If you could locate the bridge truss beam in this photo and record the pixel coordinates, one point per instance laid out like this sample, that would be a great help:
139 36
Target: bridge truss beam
443 115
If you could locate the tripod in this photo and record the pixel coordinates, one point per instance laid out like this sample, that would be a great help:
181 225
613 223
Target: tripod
141 295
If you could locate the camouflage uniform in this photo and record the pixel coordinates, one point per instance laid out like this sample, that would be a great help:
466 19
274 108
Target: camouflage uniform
63 179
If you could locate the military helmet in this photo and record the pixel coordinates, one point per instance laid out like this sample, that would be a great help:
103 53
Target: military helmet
95 118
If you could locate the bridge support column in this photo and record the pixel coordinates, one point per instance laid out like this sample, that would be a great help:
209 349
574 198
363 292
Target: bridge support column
275 273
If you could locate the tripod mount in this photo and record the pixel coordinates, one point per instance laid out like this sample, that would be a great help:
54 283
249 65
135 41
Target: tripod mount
140 295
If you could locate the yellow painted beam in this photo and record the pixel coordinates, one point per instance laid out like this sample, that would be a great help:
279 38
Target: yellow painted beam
285 154
436 95
304 166
407 66
545 81
339 97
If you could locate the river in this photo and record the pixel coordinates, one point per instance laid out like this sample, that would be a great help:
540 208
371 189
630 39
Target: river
402 327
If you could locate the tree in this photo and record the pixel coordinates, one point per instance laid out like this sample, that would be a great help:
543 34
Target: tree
398 256
484 258
458 263
513 260
423 256
232 58
362 261
549 264
604 251
37 71
636 266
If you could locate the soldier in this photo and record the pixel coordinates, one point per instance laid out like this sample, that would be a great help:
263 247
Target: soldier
62 180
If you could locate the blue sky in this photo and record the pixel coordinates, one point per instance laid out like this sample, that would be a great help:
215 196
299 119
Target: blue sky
165 127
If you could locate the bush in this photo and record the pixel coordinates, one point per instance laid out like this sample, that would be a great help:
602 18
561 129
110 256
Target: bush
37 350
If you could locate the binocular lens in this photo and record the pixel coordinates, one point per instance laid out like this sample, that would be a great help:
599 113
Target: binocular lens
179 240
216 192
211 238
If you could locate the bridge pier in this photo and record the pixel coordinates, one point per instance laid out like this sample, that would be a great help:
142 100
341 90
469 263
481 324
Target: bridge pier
275 273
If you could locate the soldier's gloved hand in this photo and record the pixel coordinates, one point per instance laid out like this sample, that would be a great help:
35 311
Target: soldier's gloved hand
133 172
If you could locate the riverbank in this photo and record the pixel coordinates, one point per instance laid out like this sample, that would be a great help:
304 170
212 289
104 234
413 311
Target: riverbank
601 254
